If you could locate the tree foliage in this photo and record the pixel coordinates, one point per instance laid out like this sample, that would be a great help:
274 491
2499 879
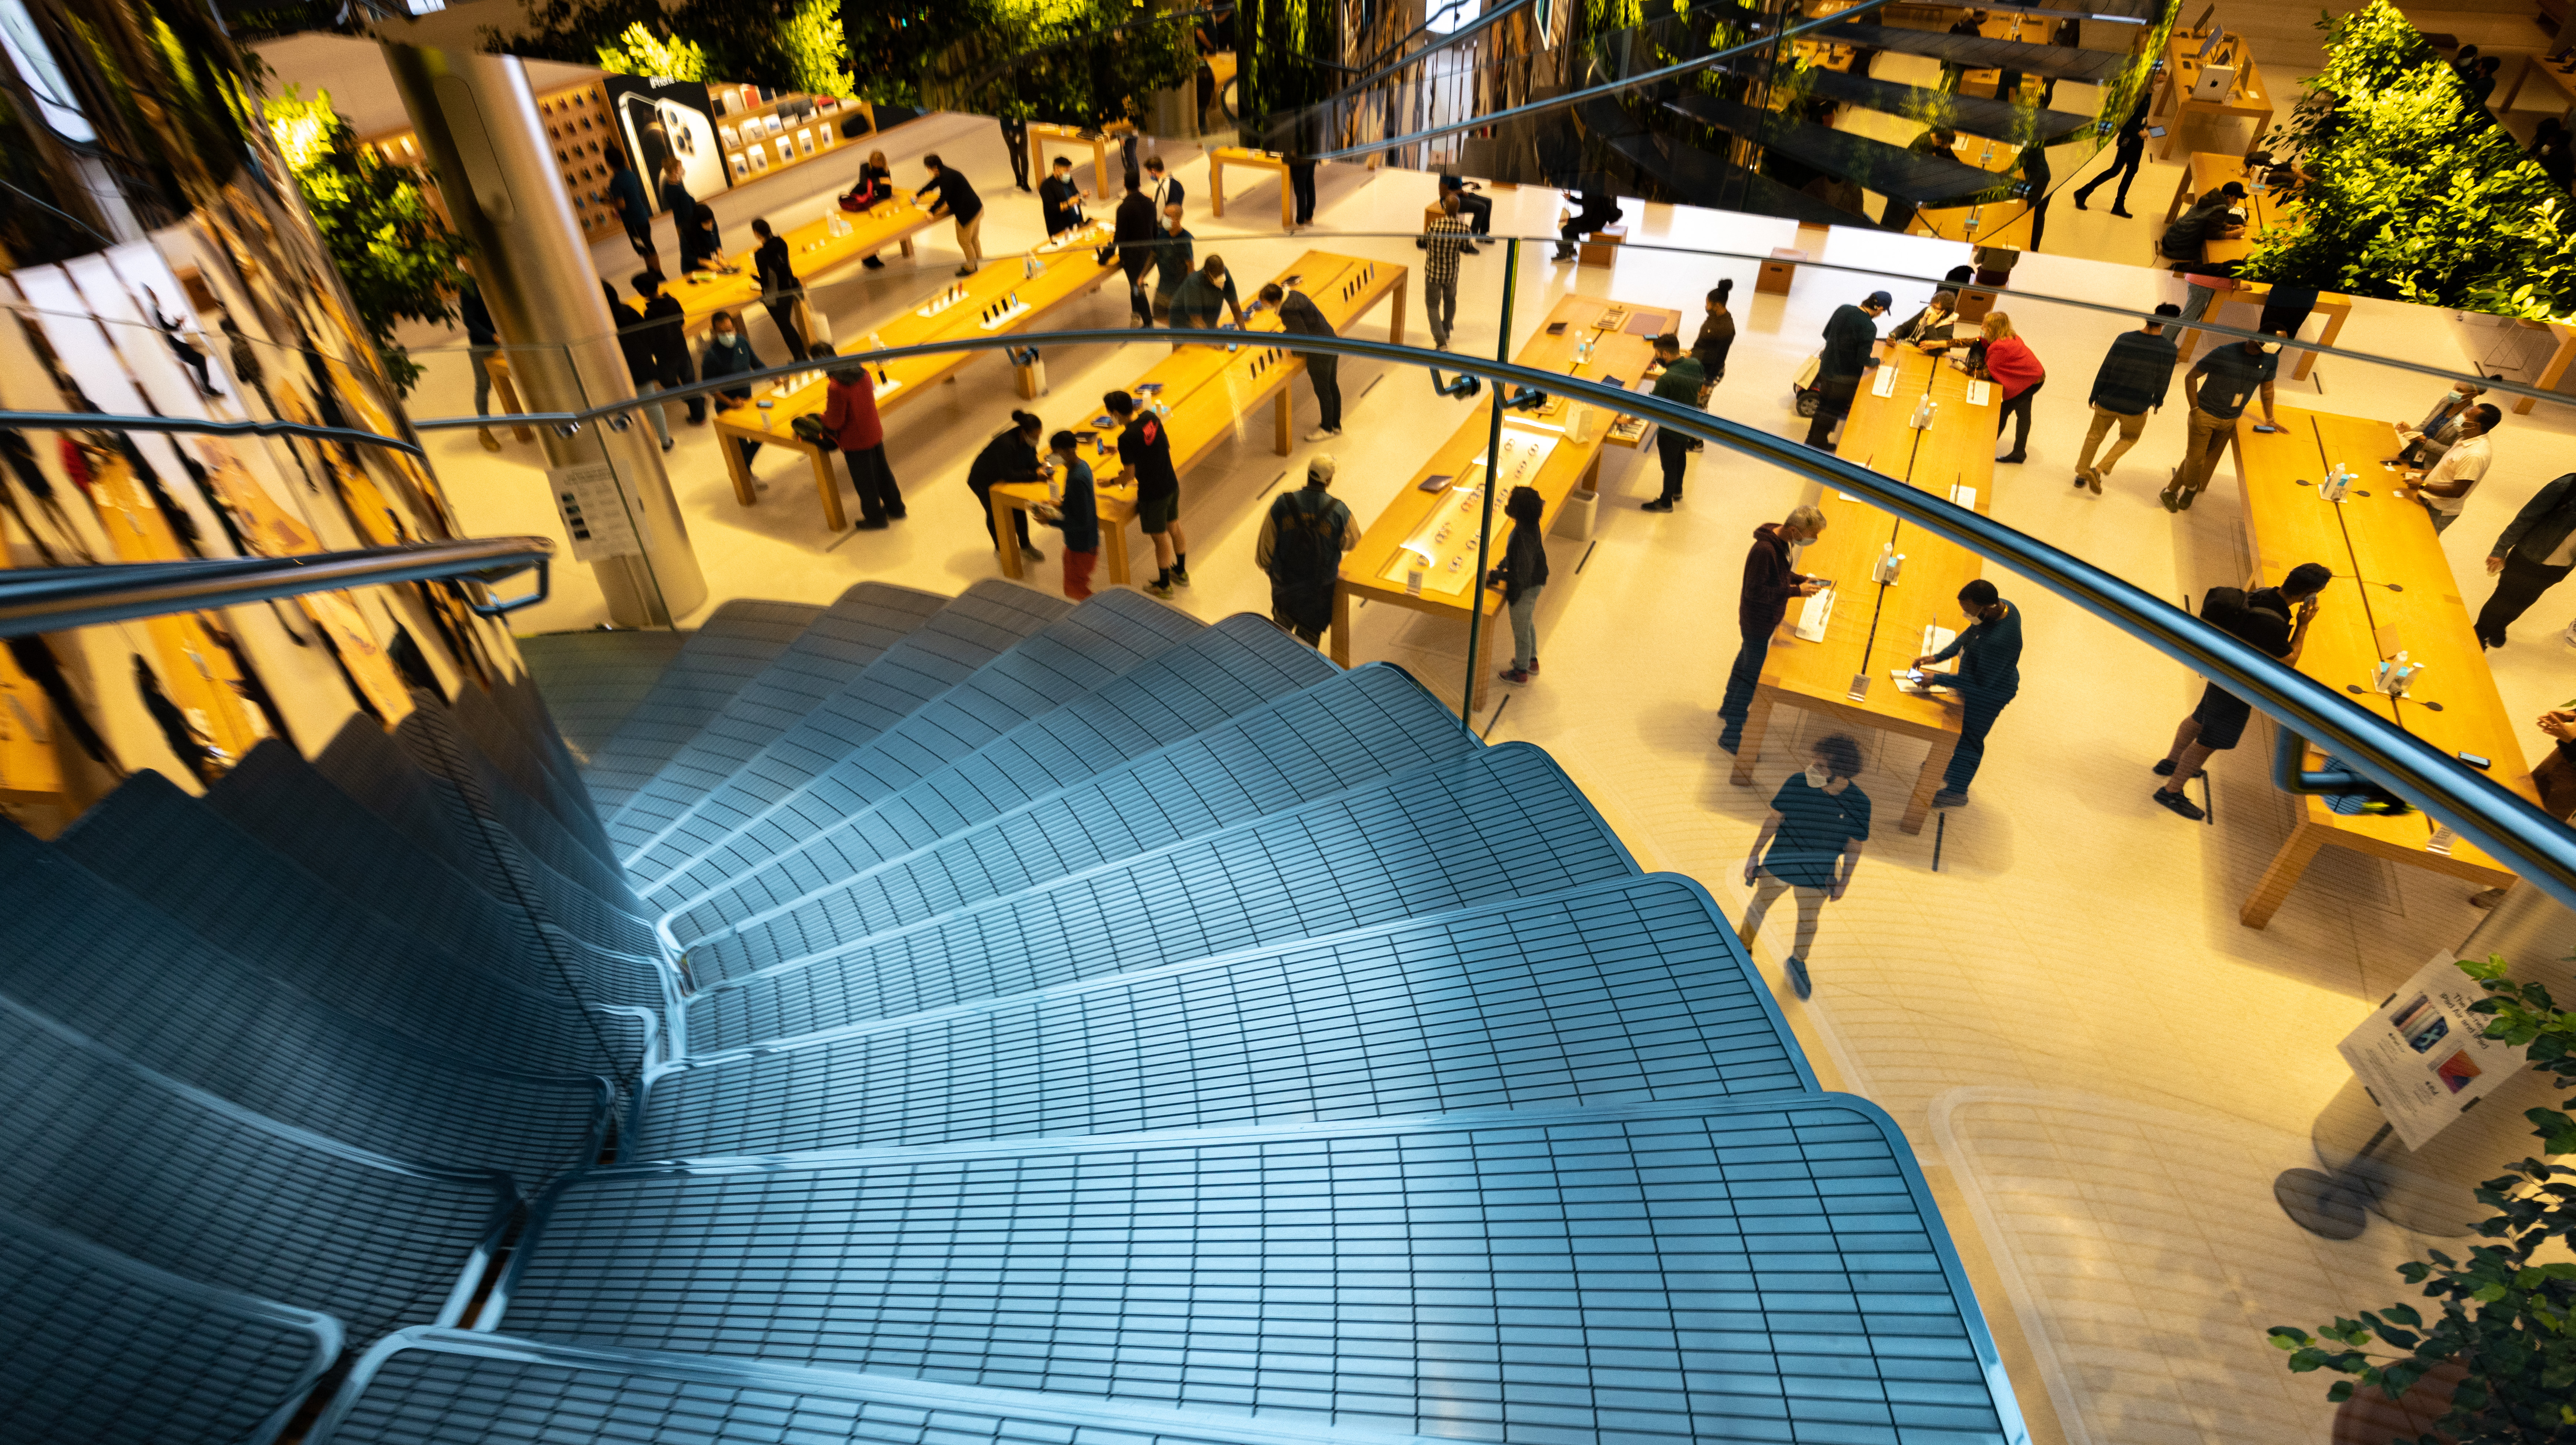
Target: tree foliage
639 51
2417 195
2507 1312
392 250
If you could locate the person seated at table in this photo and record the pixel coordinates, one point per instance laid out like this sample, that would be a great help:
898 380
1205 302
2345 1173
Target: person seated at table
1206 296
875 185
1059 198
1931 328
728 353
1599 209
1479 210
701 247
2214 217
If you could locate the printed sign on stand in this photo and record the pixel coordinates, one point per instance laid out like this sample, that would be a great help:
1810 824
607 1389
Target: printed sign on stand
2422 1055
594 512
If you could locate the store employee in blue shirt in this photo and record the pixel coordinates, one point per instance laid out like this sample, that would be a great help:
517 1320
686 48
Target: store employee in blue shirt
2218 389
1989 676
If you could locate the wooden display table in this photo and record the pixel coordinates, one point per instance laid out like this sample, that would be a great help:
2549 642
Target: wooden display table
2554 370
2246 96
2336 309
497 366
1222 156
1601 248
1996 223
1205 390
892 223
1875 629
2550 75
2393 590
1071 272
1556 465
1101 143
2209 170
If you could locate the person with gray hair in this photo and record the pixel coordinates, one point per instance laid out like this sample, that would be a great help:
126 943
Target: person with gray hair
1769 583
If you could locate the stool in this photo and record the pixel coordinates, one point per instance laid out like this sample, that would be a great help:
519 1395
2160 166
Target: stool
1596 249
1779 271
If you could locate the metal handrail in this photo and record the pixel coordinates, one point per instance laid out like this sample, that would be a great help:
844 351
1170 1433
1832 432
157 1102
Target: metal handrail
191 426
55 599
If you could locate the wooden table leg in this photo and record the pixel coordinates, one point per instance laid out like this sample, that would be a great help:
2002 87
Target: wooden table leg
1100 166
2283 874
2551 374
2334 328
500 373
1480 667
826 488
906 245
2182 193
1287 203
1757 721
1926 783
739 470
1216 185
1395 323
1115 534
1283 411
1006 532
1340 641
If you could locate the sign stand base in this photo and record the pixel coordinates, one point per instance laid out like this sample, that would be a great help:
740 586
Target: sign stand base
2336 1206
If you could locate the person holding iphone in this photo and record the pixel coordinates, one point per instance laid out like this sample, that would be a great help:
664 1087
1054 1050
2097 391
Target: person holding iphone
1989 676
2217 387
2274 619
1769 583
1818 821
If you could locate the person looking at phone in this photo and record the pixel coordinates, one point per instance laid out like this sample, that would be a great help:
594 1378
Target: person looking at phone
2274 619
1768 585
1818 821
1989 676
2444 488
2217 387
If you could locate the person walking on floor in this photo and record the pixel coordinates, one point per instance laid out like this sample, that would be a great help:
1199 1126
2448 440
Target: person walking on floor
1205 296
1523 576
1175 258
2274 619
2018 376
1989 676
728 353
1444 238
482 343
666 326
1851 348
1300 316
2035 179
635 344
1138 232
1059 199
957 201
1716 336
2129 150
2444 488
2534 553
1076 514
1145 459
2217 389
780 292
1682 383
634 207
1818 821
1301 188
1015 141
1011 456
850 422
1769 583
2131 383
1303 537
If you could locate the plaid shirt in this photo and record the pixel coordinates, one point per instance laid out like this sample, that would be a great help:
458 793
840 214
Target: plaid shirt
2135 373
1445 235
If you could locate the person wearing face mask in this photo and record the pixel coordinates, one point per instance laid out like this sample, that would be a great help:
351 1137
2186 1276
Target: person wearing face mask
1769 583
1011 456
1164 191
2422 446
1989 676
1059 199
2444 487
2217 389
1818 821
1174 259
728 353
1205 296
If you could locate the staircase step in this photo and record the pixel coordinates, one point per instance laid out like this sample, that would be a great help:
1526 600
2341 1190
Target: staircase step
593 681
734 644
1978 52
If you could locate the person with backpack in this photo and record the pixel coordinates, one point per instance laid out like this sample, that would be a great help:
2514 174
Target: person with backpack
1301 545
1818 821
1076 513
635 344
2274 619
1522 576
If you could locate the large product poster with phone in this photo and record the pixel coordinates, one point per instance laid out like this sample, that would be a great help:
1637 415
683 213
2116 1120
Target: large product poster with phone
659 119
2422 1056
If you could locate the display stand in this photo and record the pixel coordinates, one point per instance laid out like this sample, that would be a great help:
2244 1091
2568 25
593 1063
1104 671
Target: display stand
2336 1205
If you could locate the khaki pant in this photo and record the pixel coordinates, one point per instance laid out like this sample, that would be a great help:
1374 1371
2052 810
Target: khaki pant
2209 438
969 239
2130 429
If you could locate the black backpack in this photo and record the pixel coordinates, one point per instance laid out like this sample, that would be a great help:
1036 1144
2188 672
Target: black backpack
2231 610
1306 542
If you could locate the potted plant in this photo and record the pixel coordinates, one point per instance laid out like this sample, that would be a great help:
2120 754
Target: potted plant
2491 1358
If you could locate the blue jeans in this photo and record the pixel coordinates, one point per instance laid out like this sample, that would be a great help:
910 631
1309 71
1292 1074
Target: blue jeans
1525 628
1741 680
1981 708
481 357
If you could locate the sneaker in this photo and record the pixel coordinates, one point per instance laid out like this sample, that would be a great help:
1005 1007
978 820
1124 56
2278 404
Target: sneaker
667 444
1533 667
1032 554
2177 803
873 264
2122 214
870 524
1514 675
1948 799
2164 767
1798 979
1659 504
2167 497
1161 590
490 442
1321 433
1180 576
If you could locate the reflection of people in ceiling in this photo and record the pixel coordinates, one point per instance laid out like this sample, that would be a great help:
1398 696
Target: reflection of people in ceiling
191 746
31 475
180 346
35 657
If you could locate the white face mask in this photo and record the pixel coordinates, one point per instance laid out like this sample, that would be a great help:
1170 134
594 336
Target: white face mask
2459 394
728 338
1818 775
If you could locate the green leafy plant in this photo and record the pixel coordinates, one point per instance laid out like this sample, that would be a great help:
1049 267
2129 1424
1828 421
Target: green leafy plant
2414 193
2503 1314
638 51
393 251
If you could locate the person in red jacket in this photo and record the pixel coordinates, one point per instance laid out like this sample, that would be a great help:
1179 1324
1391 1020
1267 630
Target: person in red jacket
850 423
2018 376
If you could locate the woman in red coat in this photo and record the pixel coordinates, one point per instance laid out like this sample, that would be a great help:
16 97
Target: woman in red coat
850 423
2017 374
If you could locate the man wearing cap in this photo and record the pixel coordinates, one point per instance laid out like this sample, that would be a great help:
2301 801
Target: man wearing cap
1301 545
1059 199
1851 340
